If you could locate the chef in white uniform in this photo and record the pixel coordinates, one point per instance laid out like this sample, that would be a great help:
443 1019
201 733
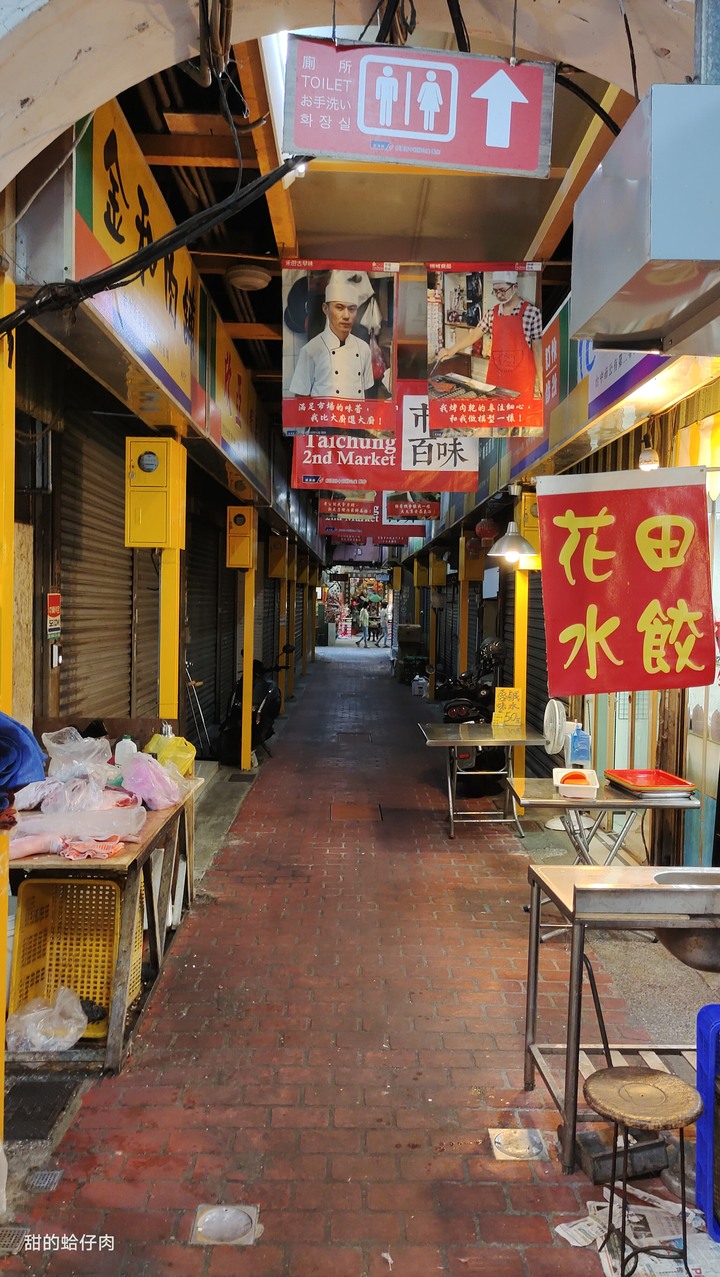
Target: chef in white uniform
335 364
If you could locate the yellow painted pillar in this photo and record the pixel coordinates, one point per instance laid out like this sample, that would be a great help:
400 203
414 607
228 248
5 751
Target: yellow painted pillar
420 579
522 595
277 569
7 501
292 599
248 579
169 680
471 567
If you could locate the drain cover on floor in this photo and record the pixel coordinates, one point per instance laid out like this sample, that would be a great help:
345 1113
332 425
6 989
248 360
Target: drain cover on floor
34 1105
517 1146
225 1226
42 1181
12 1239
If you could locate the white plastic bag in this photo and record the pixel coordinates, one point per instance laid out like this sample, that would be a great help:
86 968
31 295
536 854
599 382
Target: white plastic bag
122 821
47 1025
74 755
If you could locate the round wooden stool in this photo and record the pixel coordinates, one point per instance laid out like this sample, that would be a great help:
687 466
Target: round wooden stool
648 1100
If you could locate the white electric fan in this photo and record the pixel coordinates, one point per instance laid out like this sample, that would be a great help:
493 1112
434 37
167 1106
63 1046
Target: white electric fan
554 727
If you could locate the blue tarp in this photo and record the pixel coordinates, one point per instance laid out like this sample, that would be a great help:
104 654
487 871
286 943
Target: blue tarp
21 758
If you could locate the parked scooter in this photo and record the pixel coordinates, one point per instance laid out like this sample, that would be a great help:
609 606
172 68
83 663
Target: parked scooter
266 703
470 698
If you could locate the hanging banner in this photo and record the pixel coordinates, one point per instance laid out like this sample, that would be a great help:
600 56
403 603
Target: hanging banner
329 527
485 349
626 581
418 106
363 505
414 460
412 505
339 348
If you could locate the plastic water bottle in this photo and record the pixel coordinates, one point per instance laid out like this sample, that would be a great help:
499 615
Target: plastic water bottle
580 748
124 749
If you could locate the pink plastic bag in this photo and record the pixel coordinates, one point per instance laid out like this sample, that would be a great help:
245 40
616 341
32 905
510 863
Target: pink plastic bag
158 786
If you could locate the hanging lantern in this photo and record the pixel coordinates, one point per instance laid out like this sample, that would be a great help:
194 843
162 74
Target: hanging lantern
486 530
473 547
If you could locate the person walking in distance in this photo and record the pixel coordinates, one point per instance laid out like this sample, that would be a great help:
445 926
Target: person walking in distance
364 623
383 618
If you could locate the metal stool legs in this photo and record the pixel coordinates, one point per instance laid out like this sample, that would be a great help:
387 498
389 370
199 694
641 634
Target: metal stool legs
629 1252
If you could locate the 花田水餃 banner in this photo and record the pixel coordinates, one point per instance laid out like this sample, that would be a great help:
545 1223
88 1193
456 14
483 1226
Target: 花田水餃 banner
626 581
485 348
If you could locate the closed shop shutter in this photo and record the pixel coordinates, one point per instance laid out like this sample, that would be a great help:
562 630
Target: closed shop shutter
146 633
271 622
300 601
226 637
202 615
96 572
474 615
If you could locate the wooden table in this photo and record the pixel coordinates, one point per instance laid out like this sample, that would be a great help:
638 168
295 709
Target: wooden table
452 737
533 794
608 898
167 842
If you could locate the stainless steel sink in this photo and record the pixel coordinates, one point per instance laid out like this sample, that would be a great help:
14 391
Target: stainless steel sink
697 947
688 877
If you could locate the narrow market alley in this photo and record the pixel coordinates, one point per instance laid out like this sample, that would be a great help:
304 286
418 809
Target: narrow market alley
338 1027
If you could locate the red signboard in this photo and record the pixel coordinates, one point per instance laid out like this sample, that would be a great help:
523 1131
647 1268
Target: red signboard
328 527
346 508
418 107
53 613
626 581
397 508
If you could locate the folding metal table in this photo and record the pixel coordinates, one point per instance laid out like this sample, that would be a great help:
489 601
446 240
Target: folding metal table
454 736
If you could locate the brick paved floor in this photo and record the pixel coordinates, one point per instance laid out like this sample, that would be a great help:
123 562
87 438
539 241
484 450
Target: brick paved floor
339 1023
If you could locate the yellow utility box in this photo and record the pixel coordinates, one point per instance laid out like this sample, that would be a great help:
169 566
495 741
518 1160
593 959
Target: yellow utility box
529 522
155 472
241 545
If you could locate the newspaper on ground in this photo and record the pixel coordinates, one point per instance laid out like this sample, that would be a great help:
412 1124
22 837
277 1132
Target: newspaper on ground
582 1233
651 1221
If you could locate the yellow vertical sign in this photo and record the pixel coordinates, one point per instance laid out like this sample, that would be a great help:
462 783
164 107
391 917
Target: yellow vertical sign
7 499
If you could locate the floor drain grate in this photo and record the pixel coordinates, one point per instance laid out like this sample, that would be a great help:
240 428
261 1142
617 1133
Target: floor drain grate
225 1226
12 1240
43 1181
517 1145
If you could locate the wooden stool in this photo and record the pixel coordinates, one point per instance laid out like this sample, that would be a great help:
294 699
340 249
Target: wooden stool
648 1100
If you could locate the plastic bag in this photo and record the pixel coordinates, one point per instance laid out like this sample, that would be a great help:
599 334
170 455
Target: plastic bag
47 1025
123 821
172 749
77 794
74 755
158 786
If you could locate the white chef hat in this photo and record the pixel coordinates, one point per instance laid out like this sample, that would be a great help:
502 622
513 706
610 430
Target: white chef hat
505 277
342 287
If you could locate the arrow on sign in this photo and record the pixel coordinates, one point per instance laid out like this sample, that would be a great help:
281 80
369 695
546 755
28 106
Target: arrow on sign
500 93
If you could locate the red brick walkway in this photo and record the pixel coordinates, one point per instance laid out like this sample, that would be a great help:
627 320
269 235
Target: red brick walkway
339 1023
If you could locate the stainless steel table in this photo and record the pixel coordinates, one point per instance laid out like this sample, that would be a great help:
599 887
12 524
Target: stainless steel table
612 897
533 794
453 736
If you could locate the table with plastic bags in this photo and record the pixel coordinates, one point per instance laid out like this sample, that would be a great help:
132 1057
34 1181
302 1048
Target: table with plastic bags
100 927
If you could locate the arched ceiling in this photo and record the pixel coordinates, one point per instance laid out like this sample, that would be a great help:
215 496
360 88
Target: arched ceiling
59 59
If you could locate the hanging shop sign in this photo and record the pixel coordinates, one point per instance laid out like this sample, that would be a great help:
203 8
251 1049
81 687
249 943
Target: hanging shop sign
612 374
418 107
626 581
485 349
118 210
352 507
339 347
414 460
359 538
412 505
329 527
233 422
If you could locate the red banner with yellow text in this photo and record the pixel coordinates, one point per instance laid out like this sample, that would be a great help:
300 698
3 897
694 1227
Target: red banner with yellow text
626 581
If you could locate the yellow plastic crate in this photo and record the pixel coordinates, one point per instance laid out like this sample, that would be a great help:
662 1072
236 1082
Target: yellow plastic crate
67 932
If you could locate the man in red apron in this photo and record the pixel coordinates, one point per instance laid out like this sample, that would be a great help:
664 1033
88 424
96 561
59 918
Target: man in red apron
515 328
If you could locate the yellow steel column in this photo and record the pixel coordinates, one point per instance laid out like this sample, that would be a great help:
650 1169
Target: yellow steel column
248 578
420 579
522 594
169 681
292 598
4 875
471 567
7 500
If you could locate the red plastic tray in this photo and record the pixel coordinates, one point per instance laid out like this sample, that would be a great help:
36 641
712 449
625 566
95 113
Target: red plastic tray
652 781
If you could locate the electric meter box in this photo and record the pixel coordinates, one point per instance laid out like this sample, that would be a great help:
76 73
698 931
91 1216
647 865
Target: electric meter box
155 473
241 539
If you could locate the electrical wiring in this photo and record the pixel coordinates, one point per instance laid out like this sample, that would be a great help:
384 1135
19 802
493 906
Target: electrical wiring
579 92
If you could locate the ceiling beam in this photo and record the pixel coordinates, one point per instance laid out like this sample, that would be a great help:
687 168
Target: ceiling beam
193 150
590 152
253 332
252 79
405 170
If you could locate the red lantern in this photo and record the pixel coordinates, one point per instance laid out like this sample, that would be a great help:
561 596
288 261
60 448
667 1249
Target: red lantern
487 530
473 547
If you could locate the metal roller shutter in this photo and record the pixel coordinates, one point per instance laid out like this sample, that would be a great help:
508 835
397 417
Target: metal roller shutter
96 572
146 633
226 636
474 615
202 615
271 622
538 763
300 605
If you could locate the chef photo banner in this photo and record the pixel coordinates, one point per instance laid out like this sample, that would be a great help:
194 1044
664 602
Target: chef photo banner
484 328
339 347
626 581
